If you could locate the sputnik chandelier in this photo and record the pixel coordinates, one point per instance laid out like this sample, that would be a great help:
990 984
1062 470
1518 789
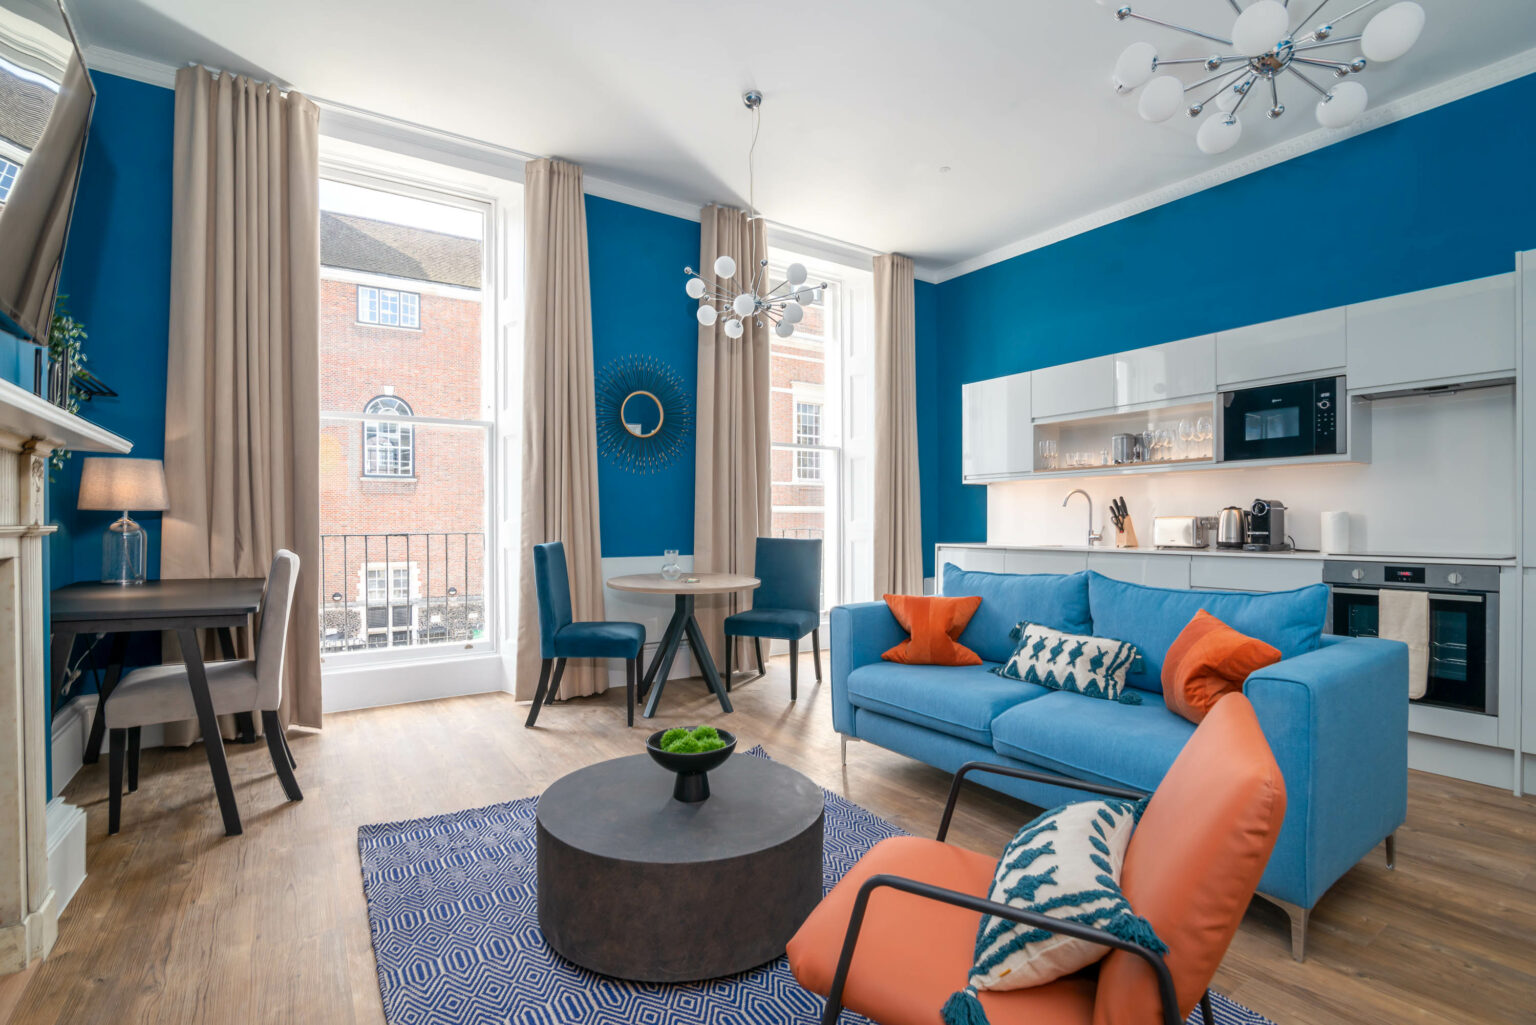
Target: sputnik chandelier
1269 43
782 305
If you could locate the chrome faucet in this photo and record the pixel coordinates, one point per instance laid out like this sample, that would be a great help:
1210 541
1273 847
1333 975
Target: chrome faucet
1094 536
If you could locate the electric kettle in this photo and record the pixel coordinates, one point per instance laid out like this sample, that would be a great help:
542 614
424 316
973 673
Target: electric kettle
1232 527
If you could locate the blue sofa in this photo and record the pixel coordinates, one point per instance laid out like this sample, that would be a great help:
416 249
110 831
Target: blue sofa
1335 710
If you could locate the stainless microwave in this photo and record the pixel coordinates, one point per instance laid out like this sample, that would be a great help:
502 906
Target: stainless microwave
1280 421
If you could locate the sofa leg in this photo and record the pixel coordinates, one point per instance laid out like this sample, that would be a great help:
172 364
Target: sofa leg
1299 917
1391 850
845 738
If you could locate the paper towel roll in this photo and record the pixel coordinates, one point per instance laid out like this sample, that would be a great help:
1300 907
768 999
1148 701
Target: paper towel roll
1335 533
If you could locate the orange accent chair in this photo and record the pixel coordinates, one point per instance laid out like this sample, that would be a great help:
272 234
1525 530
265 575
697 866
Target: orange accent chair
896 936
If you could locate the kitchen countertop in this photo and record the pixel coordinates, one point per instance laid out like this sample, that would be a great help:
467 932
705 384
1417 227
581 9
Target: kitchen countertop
1229 553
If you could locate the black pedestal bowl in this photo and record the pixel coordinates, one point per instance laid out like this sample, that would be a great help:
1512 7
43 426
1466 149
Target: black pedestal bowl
692 783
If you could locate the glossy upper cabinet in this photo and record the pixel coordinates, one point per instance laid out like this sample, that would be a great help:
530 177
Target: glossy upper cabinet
1440 335
1079 387
1164 372
996 439
1311 345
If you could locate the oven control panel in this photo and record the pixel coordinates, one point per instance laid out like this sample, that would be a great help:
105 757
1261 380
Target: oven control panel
1436 577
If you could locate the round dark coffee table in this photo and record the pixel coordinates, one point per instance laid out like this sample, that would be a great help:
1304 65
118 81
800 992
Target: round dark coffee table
636 885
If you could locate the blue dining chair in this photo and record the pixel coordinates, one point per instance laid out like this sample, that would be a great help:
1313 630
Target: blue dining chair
787 605
561 639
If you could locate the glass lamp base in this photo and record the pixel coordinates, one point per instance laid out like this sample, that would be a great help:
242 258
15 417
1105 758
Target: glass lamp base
123 553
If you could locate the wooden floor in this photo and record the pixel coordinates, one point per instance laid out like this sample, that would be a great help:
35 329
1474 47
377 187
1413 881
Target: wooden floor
177 923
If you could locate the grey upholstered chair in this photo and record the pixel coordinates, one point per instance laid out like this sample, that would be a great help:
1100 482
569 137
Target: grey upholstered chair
158 694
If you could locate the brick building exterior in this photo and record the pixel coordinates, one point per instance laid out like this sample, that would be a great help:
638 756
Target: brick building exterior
797 415
403 505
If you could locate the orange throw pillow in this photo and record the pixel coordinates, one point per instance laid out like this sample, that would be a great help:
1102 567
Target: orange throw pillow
1207 661
935 624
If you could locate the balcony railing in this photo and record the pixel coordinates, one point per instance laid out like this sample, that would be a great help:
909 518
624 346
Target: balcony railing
401 590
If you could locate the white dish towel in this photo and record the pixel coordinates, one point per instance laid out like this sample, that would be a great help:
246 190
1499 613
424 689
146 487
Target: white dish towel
1404 616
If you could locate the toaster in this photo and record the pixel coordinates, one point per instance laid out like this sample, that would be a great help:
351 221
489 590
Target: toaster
1179 532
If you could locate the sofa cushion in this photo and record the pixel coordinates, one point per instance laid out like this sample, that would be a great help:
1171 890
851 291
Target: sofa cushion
960 701
1081 663
932 623
1098 741
1208 661
1152 617
1056 600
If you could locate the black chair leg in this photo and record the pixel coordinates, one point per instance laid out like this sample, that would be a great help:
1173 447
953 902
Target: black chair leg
554 684
730 643
293 763
1205 1008
116 740
545 667
272 726
794 669
816 650
133 758
757 646
631 681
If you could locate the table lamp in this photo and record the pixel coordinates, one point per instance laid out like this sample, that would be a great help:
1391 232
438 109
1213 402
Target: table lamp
123 484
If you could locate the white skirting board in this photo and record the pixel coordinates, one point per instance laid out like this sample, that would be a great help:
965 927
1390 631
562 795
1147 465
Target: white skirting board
66 850
71 730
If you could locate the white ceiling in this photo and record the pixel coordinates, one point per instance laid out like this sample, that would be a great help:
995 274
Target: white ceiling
865 99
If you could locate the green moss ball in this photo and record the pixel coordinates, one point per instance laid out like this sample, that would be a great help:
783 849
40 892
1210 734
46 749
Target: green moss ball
704 733
671 737
684 746
713 744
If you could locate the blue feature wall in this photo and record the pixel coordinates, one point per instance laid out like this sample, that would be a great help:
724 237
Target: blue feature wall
636 259
1408 206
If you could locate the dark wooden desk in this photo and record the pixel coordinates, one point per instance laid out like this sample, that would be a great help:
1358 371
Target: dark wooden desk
180 606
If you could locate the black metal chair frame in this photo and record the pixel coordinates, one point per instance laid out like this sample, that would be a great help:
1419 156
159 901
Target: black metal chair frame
1167 995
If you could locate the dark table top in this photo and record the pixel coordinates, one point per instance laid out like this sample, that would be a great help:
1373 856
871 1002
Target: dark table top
623 809
155 599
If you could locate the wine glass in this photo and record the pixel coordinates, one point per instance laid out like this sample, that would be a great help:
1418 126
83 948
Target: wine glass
1186 435
1205 429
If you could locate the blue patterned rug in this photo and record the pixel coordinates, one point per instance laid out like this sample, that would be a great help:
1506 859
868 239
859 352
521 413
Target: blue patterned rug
452 907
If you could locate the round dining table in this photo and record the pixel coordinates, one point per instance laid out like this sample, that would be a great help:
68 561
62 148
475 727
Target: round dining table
684 590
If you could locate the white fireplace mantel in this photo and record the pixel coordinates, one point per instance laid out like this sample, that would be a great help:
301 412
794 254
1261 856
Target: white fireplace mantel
30 429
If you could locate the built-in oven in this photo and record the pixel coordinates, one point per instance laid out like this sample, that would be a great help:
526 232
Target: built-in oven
1463 628
1280 421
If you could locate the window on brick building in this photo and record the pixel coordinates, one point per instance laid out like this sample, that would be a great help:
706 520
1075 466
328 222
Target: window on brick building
807 432
388 307
8 172
389 446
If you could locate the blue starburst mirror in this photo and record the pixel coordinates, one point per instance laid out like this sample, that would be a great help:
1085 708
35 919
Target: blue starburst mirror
643 413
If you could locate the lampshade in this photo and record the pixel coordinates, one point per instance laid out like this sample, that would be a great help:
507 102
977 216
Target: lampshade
123 485
1260 27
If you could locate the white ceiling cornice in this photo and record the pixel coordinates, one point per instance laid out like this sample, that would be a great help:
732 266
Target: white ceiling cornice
360 125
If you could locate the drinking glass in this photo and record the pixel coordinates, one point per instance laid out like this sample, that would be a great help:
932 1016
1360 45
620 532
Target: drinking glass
1206 432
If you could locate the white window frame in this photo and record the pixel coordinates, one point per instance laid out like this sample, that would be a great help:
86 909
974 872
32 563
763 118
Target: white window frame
807 450
386 307
378 429
9 169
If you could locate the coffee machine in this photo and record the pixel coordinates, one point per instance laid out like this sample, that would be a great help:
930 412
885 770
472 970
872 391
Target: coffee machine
1266 527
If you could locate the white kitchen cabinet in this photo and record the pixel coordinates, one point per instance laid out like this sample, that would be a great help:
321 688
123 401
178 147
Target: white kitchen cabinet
996 438
1438 336
1033 560
1151 570
1527 679
1160 372
989 560
1310 345
1526 262
1080 387
1253 573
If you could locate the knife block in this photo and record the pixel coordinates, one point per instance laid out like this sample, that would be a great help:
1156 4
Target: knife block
1126 538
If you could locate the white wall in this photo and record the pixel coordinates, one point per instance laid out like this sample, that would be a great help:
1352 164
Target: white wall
1441 482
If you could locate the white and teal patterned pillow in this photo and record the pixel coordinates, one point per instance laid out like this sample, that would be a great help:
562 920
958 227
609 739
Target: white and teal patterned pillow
1065 864
1095 666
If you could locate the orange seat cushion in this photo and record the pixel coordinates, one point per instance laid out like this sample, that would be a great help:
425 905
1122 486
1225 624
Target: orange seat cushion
1195 861
914 953
1209 659
935 625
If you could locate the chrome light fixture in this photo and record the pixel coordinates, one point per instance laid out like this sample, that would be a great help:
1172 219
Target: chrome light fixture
782 305
1270 43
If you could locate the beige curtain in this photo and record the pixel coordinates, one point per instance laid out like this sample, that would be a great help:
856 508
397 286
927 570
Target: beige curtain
732 476
559 416
898 552
242 405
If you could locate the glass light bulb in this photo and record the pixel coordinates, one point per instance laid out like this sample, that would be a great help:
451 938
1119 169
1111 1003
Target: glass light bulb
695 288
1260 27
1134 65
733 329
794 313
725 267
1346 101
1393 32
708 315
1219 134
795 273
744 304
1161 99
783 329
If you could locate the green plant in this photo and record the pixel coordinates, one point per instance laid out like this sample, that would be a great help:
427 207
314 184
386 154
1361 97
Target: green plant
682 741
66 337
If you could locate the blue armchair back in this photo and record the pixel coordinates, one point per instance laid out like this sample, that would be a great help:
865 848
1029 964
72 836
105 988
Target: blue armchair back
790 569
553 584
